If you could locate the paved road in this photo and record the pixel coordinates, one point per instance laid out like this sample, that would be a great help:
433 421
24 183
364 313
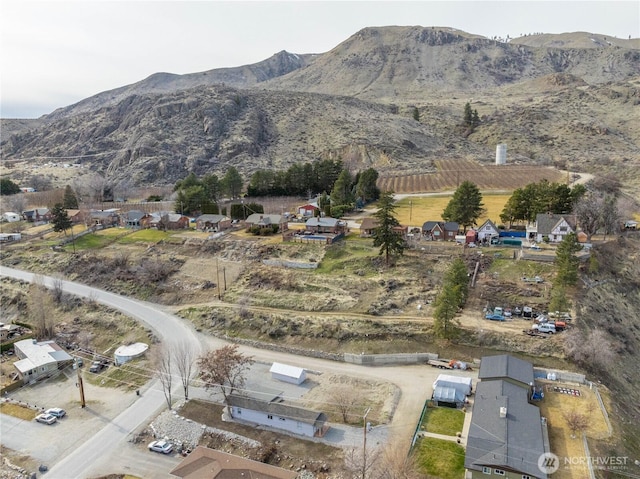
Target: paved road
414 382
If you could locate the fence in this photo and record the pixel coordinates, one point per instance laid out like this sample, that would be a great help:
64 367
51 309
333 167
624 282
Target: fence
565 376
384 359
289 264
602 408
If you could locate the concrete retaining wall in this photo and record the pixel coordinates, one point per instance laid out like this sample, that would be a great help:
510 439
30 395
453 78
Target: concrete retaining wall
385 359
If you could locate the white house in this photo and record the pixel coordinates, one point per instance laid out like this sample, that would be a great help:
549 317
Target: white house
39 359
554 227
275 413
288 374
11 217
487 231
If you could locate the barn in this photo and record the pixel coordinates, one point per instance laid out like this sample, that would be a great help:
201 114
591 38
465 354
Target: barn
288 374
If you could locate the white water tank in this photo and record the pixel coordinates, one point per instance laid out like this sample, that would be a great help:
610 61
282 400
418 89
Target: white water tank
501 154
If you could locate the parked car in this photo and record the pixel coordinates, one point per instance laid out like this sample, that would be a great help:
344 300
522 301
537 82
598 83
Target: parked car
535 247
164 447
46 418
517 311
96 367
56 411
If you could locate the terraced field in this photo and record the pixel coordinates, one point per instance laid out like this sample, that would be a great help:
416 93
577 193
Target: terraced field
453 172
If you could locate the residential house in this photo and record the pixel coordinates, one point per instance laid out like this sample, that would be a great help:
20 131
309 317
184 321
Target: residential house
507 435
136 219
173 221
274 412
368 227
552 226
440 230
310 209
7 331
262 220
206 463
37 215
215 223
326 224
76 216
39 359
104 218
487 230
10 237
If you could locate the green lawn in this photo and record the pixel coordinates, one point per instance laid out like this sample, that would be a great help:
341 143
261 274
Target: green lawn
144 236
443 420
349 256
440 458
90 241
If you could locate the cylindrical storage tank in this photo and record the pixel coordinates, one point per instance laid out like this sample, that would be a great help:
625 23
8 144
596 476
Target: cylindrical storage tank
126 353
501 154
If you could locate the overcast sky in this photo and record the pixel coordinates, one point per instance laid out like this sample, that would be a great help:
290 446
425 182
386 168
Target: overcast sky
55 53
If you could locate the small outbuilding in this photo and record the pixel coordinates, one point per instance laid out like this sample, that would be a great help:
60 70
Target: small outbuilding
451 390
288 374
125 354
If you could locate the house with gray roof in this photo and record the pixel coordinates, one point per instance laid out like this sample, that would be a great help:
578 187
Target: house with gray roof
487 230
261 220
326 224
273 411
510 368
210 222
136 219
39 359
440 230
552 226
506 435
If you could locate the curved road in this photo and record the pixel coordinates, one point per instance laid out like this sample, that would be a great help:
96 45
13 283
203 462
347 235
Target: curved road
413 381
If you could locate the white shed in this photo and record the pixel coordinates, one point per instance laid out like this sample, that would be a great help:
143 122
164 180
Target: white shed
288 374
126 353
11 217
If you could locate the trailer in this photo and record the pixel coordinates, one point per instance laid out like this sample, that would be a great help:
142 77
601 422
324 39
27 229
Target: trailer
449 364
535 333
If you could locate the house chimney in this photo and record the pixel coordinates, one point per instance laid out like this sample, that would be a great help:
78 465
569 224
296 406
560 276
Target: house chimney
503 411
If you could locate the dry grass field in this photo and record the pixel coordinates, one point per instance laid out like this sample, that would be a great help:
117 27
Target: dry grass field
415 211
564 443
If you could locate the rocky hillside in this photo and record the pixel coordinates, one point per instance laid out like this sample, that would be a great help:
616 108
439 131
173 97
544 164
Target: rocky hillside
567 100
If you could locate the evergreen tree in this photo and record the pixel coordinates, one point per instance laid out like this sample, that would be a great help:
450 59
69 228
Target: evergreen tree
468 114
8 187
475 119
70 200
446 307
466 205
341 193
60 219
390 241
366 187
566 261
232 183
458 276
416 113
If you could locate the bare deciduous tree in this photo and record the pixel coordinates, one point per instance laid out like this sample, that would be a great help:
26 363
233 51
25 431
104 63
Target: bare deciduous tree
594 349
162 360
345 397
577 421
396 464
367 466
224 369
57 291
41 309
184 359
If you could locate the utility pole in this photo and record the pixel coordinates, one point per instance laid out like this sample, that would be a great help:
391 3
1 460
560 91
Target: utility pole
364 446
218 279
410 209
80 383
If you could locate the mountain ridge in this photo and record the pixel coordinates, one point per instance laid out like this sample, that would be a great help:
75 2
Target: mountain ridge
358 102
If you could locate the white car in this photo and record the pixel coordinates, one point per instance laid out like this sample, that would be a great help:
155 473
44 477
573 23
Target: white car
56 411
46 418
161 446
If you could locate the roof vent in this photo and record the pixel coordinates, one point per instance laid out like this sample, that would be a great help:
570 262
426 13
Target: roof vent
503 411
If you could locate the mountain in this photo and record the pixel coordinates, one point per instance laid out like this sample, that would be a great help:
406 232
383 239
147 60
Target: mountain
567 100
